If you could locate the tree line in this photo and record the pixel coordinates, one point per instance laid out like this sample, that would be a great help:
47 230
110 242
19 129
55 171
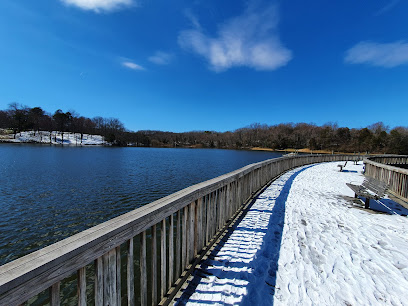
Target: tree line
376 138
21 118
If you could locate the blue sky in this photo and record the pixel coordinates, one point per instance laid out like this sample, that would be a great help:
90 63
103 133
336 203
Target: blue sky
208 65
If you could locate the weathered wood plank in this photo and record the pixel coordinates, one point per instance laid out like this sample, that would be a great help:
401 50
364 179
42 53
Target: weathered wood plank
191 229
196 223
227 205
106 292
178 244
143 270
201 224
112 281
215 212
207 220
154 265
184 246
118 277
130 268
163 257
55 299
171 251
81 287
99 281
109 274
220 207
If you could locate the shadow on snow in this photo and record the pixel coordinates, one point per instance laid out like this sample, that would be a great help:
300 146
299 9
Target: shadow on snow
239 281
388 206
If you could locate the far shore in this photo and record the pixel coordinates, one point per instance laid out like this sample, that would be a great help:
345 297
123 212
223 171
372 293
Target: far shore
304 150
74 139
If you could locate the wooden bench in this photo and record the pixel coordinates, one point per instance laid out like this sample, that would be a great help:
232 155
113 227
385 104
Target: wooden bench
341 166
369 189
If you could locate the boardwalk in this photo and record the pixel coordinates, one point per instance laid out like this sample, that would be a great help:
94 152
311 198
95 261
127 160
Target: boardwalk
304 241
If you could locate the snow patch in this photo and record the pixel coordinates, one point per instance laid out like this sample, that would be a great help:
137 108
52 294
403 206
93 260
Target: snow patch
54 138
304 242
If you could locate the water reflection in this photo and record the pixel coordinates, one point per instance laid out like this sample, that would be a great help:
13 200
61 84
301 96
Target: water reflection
48 193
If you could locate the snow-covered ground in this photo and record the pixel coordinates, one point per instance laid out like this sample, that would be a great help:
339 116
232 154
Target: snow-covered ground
305 242
56 138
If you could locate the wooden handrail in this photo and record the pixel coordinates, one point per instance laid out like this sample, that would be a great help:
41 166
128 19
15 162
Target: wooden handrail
190 216
381 168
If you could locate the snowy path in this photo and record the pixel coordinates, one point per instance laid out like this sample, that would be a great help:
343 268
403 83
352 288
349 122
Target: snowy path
303 242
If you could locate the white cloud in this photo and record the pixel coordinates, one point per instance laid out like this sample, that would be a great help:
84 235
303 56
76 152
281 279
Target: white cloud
99 5
132 65
161 58
250 40
376 54
193 19
387 7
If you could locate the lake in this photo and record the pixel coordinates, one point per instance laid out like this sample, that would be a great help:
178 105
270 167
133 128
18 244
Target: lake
48 193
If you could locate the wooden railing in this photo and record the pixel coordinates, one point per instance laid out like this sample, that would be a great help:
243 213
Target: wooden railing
139 257
380 167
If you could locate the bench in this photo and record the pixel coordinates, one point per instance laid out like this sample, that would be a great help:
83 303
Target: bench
369 189
341 166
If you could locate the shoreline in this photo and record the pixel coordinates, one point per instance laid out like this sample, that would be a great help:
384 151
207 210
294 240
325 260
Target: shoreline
283 151
72 139
304 150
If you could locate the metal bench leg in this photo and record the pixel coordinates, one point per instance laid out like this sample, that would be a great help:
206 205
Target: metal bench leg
367 203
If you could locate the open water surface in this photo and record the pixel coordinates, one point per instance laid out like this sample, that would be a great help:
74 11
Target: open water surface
48 193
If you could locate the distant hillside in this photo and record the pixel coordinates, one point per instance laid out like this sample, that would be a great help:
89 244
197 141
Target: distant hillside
376 138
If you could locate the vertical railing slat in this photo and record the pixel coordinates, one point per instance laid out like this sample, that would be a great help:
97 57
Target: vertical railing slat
143 270
184 244
171 251
191 230
118 277
196 229
178 244
154 265
218 208
130 273
163 258
109 275
208 218
55 299
215 211
82 287
99 281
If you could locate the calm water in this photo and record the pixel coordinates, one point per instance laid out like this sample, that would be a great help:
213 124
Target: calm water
48 193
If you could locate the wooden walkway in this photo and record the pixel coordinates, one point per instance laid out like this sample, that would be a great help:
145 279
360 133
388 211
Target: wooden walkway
152 248
299 241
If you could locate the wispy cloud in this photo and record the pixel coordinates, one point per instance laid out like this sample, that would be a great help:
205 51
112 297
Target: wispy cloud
250 40
161 58
391 4
99 5
376 54
132 65
193 19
